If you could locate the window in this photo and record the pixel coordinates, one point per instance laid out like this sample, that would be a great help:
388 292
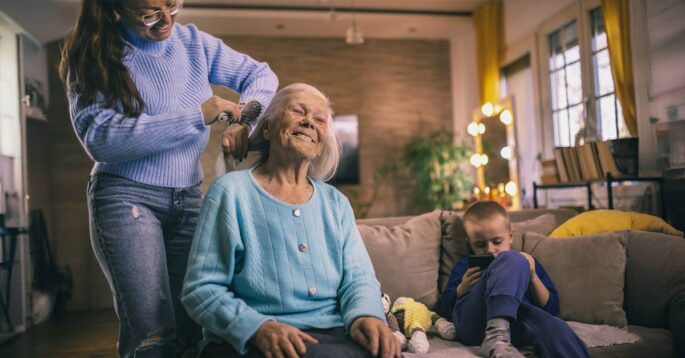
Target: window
607 108
567 92
580 101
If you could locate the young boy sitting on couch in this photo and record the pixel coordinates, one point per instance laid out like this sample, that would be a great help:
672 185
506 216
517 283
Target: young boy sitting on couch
510 303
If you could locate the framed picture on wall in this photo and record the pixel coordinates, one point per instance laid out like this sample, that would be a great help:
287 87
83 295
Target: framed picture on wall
347 128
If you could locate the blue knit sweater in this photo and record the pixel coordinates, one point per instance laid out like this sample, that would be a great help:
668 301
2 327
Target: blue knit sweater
256 258
162 147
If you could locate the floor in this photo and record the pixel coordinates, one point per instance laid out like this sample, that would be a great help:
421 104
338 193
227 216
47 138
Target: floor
73 335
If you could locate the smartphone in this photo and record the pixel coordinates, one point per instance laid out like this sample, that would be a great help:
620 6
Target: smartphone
482 261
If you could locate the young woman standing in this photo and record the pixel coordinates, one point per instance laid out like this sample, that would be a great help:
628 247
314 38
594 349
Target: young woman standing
141 105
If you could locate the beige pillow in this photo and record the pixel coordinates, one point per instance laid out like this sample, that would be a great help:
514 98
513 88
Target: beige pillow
405 257
454 245
543 225
588 273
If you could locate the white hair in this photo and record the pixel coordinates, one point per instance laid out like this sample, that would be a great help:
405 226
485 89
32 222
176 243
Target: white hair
322 167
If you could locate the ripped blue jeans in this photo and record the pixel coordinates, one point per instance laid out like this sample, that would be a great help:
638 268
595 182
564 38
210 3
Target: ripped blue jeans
141 235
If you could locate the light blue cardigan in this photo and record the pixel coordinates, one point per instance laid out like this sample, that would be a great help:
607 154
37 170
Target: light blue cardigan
256 258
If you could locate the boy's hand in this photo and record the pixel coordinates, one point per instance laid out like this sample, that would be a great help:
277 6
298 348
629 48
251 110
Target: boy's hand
470 278
531 262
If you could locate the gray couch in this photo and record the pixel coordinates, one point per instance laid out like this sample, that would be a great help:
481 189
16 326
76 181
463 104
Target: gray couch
629 279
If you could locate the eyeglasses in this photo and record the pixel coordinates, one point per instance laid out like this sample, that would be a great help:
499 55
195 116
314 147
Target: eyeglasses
150 20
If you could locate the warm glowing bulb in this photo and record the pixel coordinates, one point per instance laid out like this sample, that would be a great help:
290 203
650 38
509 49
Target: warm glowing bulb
510 188
506 153
483 159
472 128
481 128
475 160
488 109
506 117
486 190
476 190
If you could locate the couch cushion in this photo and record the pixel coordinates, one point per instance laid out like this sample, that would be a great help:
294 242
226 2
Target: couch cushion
602 335
405 257
654 342
454 245
387 222
560 215
588 273
597 221
655 283
543 225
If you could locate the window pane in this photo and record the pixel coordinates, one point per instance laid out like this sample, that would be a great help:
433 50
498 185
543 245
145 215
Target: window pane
555 51
575 88
604 82
622 129
570 38
599 41
556 58
576 122
557 131
606 117
564 134
599 37
559 90
572 54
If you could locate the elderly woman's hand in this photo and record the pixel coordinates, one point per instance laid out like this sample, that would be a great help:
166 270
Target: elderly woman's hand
279 340
375 335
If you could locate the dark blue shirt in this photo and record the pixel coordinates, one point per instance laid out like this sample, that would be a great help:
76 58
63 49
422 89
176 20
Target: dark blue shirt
449 296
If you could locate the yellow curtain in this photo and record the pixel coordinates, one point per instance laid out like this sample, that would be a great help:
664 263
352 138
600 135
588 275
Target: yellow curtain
617 24
488 20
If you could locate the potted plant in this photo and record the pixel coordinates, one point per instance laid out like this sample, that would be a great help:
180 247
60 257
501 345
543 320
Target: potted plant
435 163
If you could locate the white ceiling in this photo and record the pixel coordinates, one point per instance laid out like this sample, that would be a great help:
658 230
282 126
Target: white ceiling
48 20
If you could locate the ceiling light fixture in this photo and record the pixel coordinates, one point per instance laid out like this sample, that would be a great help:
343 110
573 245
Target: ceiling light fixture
354 35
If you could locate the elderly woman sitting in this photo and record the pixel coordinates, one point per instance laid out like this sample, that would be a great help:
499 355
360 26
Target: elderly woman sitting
277 262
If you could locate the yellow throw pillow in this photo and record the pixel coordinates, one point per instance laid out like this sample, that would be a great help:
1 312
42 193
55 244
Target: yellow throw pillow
596 221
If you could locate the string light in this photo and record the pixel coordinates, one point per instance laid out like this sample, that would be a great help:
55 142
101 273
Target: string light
506 117
488 109
472 128
510 188
506 152
475 160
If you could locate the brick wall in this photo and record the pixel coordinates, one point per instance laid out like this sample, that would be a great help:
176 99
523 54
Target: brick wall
398 88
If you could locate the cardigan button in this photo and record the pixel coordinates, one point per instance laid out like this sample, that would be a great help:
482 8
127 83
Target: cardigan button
303 247
297 212
312 291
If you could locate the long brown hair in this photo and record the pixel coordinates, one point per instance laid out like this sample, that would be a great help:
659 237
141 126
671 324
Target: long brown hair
92 58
